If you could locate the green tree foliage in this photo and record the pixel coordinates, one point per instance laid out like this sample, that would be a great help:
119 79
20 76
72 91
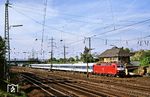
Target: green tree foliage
54 60
143 56
2 57
145 59
77 58
71 60
61 60
86 56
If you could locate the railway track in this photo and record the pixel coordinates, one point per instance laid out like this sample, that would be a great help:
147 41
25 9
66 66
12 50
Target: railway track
46 88
80 89
124 89
64 87
70 84
102 88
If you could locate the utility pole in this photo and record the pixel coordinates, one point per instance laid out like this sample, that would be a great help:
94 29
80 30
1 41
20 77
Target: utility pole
89 52
52 46
43 29
7 43
89 43
89 38
65 53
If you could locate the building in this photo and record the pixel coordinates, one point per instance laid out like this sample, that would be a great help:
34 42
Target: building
115 54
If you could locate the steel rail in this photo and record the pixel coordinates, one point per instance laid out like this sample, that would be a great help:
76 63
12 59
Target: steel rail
29 79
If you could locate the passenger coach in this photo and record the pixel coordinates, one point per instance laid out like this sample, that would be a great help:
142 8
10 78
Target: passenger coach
79 67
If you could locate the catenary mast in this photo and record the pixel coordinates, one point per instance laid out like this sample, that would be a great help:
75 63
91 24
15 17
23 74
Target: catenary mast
6 36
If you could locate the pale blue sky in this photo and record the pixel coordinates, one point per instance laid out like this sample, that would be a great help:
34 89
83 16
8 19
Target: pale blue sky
72 21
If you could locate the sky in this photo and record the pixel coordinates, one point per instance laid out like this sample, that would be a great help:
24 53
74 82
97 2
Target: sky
121 23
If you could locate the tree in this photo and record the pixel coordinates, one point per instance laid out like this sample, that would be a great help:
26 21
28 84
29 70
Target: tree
71 60
145 59
53 59
77 58
127 50
61 60
2 57
138 55
147 53
86 56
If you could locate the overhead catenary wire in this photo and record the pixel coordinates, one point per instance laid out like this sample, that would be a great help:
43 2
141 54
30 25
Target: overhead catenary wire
77 33
26 9
68 18
96 34
37 9
120 28
137 38
29 17
72 43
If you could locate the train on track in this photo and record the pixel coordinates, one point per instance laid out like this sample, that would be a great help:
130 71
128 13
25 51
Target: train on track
108 69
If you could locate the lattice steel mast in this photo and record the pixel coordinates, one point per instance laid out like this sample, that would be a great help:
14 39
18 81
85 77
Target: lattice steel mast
43 28
6 33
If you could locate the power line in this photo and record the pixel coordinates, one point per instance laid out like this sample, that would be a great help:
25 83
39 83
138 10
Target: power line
37 9
124 39
120 28
96 34
73 17
47 25
71 43
25 9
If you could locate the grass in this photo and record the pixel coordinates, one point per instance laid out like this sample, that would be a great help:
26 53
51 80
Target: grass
3 88
6 94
